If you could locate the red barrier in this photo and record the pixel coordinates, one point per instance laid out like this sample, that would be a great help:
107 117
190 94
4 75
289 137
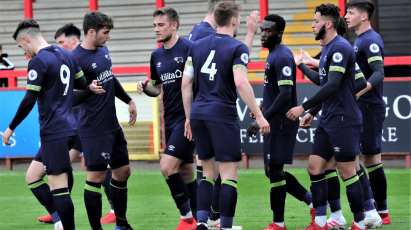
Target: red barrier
93 5
341 4
28 9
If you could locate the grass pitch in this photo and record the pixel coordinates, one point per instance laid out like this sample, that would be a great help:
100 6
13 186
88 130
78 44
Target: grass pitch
150 205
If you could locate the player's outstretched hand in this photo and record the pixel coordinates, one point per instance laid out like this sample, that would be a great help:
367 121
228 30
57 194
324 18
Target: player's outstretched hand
187 130
306 57
252 21
295 113
298 58
6 136
96 89
141 85
264 126
306 121
132 110
253 129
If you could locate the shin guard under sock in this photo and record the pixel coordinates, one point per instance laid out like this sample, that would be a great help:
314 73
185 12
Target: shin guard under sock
278 193
179 192
65 207
204 196
70 180
228 203
215 202
118 193
41 191
295 189
199 172
333 184
192 188
106 186
368 204
378 183
319 193
92 200
355 197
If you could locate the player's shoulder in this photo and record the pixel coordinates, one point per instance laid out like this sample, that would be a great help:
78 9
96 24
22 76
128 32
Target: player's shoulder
186 42
157 51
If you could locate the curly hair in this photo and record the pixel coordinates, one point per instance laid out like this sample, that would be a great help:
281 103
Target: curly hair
68 30
279 21
330 11
171 14
96 20
29 27
363 6
224 11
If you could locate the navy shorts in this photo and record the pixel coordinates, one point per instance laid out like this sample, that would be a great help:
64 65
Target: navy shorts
279 149
54 154
109 148
178 145
216 139
340 142
371 137
77 144
73 143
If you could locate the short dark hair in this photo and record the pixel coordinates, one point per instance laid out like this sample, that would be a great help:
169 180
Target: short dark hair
213 3
279 21
342 27
224 11
363 6
171 14
30 26
330 11
97 20
68 30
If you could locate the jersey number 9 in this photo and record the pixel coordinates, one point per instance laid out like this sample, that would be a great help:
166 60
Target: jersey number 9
65 80
212 71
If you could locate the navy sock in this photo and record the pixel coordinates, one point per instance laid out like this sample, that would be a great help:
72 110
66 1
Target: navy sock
215 202
55 216
319 193
70 180
106 186
368 204
333 184
179 192
378 185
228 202
295 189
199 173
192 188
355 197
65 207
92 200
41 191
118 193
278 193
204 196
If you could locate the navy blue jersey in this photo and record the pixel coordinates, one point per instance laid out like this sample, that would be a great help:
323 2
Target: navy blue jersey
52 73
98 113
201 30
214 58
340 109
167 67
280 70
369 47
358 72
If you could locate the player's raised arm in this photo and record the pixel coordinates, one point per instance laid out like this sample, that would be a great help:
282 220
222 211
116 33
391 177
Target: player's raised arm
187 94
252 26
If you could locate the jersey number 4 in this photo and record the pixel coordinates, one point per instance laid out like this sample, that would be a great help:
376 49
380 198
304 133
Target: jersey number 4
212 71
65 80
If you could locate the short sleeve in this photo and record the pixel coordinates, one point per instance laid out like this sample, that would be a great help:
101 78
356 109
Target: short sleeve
358 72
154 79
37 70
241 57
189 67
372 50
284 71
339 58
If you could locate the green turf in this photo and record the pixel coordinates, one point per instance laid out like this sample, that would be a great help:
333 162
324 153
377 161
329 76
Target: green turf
151 207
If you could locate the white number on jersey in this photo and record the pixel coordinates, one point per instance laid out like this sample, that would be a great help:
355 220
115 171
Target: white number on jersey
189 36
212 71
65 80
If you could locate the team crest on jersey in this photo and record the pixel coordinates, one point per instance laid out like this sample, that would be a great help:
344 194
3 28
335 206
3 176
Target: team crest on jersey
337 57
322 72
179 59
374 48
287 71
244 58
356 66
356 48
158 64
267 65
32 75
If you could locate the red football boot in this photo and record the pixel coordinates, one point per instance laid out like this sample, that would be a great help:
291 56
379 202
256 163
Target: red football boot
46 219
314 226
274 226
187 224
354 227
385 218
110 218
312 214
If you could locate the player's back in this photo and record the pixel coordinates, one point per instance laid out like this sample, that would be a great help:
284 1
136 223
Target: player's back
214 58
52 73
201 30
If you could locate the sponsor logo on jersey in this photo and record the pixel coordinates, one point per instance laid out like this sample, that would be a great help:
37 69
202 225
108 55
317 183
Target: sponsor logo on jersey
179 59
170 76
104 76
94 65
374 48
32 75
287 71
267 65
171 147
337 57
107 56
325 58
158 64
356 66
244 58
337 149
105 155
